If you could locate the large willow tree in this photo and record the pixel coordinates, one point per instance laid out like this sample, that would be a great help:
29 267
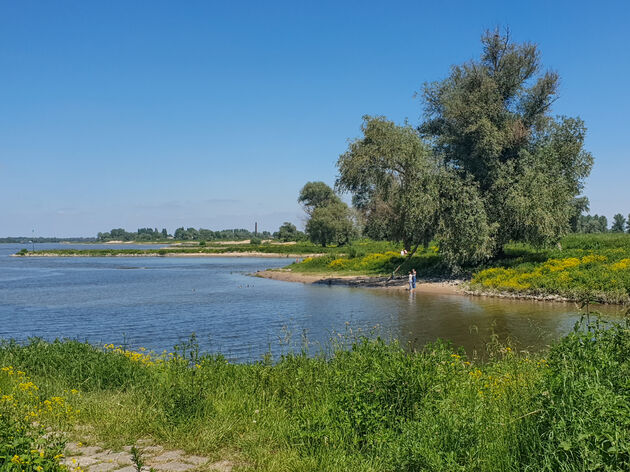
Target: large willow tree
488 165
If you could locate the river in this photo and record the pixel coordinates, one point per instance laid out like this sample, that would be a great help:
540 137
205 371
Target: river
158 302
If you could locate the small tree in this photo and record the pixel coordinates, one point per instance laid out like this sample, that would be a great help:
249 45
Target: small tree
330 219
331 224
628 224
619 223
288 232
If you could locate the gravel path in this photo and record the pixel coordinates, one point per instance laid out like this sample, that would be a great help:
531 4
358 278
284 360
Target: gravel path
79 457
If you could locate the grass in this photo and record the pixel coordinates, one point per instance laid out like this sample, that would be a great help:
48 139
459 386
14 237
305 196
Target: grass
25 443
427 263
587 266
368 406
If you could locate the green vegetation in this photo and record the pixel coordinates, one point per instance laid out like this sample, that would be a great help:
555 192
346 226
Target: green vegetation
592 224
488 165
368 406
330 220
207 248
619 223
428 263
181 234
593 266
288 232
25 413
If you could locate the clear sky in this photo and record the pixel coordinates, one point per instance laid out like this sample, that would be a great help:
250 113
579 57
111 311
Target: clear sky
214 114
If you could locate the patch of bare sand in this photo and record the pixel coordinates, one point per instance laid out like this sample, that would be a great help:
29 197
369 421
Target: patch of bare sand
240 254
397 283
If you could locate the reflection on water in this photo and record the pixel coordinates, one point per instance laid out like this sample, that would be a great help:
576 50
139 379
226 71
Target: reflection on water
163 300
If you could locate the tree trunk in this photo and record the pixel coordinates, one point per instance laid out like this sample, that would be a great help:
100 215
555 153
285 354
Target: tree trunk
409 255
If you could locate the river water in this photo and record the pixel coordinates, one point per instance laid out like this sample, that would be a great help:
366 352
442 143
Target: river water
158 302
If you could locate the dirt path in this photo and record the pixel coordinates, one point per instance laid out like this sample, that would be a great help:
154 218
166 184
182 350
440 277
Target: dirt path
79 457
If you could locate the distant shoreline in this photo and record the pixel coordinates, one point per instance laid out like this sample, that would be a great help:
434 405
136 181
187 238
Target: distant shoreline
275 255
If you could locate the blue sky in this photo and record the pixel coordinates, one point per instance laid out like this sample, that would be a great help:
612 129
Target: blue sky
214 114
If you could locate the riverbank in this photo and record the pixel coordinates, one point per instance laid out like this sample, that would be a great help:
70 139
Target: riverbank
365 405
399 283
583 267
436 286
161 253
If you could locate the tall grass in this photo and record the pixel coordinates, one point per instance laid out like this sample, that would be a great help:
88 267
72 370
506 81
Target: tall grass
369 406
427 263
593 266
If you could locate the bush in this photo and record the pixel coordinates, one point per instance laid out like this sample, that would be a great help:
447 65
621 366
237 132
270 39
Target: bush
255 241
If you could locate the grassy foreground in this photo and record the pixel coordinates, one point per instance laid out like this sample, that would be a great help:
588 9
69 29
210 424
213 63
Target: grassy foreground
371 406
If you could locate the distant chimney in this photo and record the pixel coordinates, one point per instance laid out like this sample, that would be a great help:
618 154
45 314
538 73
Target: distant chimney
256 229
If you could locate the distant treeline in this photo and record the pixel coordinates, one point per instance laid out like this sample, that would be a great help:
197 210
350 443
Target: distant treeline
183 234
25 240
599 224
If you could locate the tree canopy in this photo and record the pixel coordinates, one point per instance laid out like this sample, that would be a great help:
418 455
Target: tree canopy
488 164
316 194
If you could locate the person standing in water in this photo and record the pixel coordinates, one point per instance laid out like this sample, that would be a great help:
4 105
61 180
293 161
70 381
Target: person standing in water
413 278
410 281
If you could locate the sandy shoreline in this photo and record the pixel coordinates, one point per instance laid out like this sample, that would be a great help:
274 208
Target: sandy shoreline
178 254
453 287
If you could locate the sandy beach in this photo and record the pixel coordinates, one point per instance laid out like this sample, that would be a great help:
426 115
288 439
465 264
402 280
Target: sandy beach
453 287
176 254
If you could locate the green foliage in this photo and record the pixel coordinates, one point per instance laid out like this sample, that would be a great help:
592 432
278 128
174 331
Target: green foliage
315 195
464 234
426 262
595 266
367 405
25 443
392 177
330 219
255 241
592 224
22 252
181 234
585 423
288 232
619 223
490 119
331 224
489 128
